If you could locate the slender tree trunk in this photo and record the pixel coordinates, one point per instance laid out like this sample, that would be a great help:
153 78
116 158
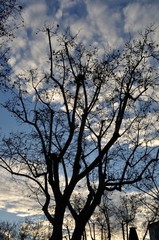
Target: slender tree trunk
85 235
94 231
102 233
109 228
127 231
123 230
109 234
144 237
68 232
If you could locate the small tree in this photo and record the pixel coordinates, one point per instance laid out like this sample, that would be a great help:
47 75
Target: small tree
33 230
149 198
8 231
126 212
103 217
90 125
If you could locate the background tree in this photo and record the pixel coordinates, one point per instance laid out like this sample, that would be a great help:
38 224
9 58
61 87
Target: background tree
8 231
149 197
90 125
10 12
125 212
29 229
115 215
33 230
103 217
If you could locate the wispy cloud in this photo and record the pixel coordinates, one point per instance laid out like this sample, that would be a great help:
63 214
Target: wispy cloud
99 22
14 199
138 16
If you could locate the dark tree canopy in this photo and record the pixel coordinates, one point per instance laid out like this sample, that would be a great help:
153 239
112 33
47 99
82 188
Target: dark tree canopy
91 125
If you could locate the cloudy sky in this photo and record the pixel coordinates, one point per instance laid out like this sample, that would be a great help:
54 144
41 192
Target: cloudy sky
104 23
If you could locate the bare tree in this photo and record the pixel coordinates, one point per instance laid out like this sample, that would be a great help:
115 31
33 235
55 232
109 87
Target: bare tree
10 12
90 125
33 230
8 231
125 212
106 208
103 217
149 197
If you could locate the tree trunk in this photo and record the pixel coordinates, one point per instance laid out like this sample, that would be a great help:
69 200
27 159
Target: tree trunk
57 233
109 228
78 232
127 231
123 230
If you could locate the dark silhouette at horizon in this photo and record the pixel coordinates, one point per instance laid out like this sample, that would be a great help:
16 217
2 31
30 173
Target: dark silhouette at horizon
133 234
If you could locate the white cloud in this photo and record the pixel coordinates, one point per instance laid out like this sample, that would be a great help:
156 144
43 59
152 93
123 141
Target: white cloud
14 199
105 23
98 22
35 14
138 16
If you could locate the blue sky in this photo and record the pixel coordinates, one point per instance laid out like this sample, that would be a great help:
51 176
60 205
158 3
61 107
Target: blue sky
103 23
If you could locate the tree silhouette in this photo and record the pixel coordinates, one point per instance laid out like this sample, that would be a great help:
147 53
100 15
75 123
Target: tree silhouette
90 125
133 234
7 230
10 12
149 198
